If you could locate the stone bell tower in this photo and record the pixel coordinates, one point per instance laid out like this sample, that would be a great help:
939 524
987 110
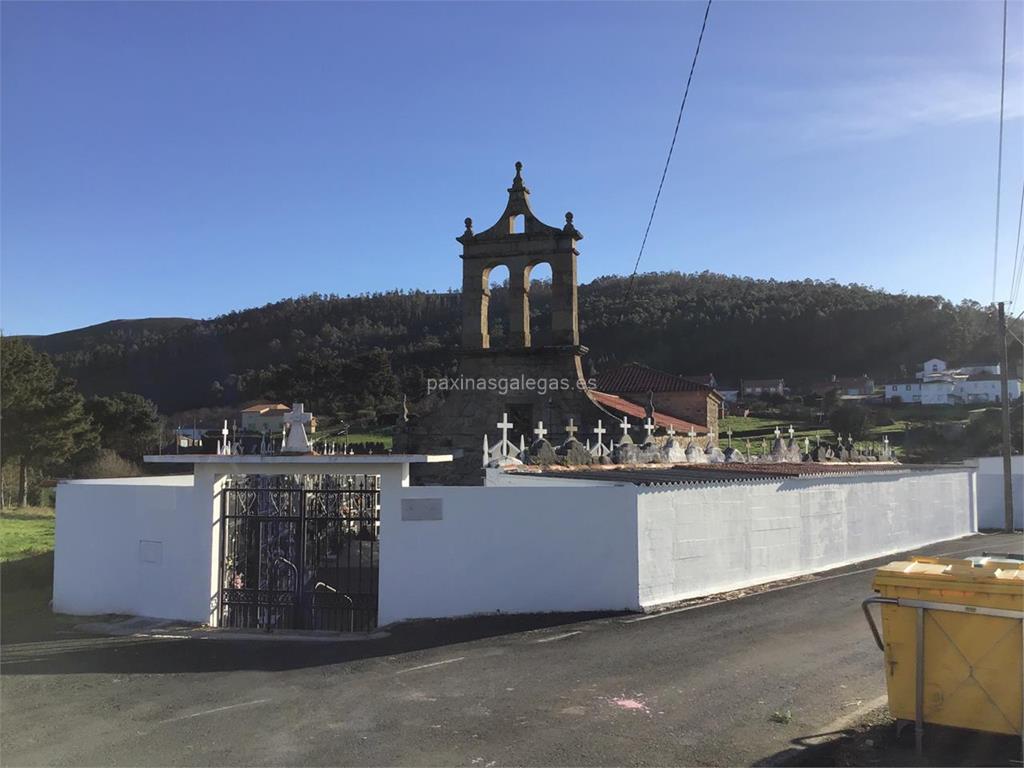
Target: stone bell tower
520 252
532 382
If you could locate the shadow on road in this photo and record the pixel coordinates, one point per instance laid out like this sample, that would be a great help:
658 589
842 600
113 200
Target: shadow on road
35 642
875 743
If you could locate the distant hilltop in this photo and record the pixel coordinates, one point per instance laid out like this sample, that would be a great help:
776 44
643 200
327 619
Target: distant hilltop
735 327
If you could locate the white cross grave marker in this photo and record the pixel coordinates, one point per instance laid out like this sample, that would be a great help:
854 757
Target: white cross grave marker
504 425
791 431
692 433
540 431
778 433
296 419
624 426
670 431
572 429
729 433
649 428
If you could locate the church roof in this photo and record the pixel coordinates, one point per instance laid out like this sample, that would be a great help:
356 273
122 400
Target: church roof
625 408
641 379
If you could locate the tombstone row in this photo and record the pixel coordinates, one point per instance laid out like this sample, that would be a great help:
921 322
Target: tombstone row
669 449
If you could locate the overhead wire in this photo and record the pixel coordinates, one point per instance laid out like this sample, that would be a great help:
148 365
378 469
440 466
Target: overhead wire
668 160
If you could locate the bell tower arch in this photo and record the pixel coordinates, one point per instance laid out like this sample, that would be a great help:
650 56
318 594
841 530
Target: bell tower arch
519 241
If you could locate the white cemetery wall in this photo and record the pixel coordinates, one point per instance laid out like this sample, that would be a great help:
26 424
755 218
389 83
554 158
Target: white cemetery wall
132 545
700 540
990 491
454 551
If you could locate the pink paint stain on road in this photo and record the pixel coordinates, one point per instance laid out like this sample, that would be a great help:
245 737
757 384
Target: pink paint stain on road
631 704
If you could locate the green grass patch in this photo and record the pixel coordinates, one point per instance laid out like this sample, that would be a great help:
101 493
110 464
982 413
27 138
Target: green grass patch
363 437
25 532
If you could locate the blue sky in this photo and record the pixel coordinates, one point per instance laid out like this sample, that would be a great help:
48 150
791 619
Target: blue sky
186 159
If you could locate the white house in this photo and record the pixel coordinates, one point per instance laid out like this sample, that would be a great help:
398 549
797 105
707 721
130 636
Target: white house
931 367
938 384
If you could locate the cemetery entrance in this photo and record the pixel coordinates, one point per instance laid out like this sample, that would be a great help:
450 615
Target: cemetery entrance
299 552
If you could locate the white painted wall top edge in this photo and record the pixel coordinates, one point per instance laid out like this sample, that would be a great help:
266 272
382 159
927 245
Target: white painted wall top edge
383 458
174 481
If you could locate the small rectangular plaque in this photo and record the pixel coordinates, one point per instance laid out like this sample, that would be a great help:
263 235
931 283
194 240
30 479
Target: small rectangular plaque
422 509
151 551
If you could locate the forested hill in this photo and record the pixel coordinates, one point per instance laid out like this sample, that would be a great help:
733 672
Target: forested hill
686 323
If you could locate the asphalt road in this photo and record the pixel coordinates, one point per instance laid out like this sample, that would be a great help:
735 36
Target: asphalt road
696 687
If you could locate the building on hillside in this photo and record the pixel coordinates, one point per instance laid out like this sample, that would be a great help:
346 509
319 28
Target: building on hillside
849 386
758 387
267 417
972 369
931 367
938 384
903 391
679 397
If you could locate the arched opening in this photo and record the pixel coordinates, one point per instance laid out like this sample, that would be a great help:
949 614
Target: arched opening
516 224
497 307
538 287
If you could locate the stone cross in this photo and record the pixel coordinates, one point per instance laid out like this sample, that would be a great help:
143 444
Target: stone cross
692 433
649 428
778 433
296 419
807 445
670 431
624 426
729 433
504 425
540 431
791 431
571 429
599 431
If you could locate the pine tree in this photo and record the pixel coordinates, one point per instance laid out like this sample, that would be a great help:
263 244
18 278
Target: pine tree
43 423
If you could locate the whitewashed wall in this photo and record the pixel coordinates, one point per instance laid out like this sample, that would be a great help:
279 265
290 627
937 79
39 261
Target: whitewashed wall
135 546
699 540
513 550
990 491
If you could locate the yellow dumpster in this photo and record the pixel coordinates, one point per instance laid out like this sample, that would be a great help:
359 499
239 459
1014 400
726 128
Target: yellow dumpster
952 641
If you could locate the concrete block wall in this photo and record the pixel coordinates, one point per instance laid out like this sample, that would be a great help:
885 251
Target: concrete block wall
129 546
990 491
509 550
700 540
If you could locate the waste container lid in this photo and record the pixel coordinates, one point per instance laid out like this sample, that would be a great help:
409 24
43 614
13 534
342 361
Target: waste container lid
936 572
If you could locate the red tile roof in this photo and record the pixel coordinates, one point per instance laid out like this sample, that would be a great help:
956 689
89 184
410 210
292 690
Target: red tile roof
626 408
639 378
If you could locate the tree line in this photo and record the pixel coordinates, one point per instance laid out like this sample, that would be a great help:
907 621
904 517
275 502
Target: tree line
355 355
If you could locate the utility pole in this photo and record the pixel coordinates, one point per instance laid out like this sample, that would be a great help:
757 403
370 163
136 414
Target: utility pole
1004 401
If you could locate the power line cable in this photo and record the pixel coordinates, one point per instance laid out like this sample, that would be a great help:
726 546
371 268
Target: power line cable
999 163
668 160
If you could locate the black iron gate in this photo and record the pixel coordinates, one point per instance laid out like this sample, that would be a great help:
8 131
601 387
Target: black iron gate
300 554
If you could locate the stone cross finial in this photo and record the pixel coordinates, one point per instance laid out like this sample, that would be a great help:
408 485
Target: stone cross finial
540 431
649 428
504 425
778 433
519 169
296 419
571 429
624 426
469 225
791 431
